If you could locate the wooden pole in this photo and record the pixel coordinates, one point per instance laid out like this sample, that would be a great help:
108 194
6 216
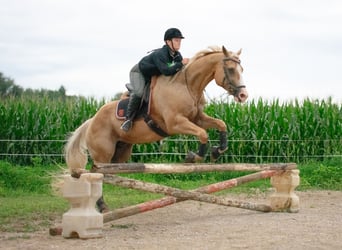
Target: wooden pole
139 208
116 168
169 200
219 186
182 194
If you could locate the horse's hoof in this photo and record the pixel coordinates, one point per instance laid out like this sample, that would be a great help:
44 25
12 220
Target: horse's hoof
94 168
102 206
216 152
190 158
193 158
76 175
104 210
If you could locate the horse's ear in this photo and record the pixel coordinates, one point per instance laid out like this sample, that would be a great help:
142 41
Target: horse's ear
225 52
239 52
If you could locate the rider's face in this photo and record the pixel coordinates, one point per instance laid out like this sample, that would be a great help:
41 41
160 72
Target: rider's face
175 43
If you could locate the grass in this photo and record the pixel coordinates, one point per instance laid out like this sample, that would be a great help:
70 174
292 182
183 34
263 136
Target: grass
322 176
29 212
28 203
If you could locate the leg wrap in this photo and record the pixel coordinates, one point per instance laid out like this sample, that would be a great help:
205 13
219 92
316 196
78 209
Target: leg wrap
223 140
202 150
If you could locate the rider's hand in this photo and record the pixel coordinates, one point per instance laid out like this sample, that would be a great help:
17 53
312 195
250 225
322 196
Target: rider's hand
185 61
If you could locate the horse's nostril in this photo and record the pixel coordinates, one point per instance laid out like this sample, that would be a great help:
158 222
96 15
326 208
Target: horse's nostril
243 96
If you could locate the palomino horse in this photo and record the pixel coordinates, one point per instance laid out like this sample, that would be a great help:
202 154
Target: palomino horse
176 106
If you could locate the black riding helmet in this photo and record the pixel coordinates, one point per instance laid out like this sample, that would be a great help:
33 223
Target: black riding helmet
172 33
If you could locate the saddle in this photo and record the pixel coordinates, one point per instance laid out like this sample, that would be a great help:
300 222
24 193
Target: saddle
144 110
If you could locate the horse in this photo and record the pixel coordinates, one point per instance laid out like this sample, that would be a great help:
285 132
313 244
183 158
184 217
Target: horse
176 106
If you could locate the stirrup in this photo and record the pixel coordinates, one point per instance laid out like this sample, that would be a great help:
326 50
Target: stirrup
127 125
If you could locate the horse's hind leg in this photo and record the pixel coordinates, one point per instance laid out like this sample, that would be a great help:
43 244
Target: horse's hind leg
101 205
101 152
122 153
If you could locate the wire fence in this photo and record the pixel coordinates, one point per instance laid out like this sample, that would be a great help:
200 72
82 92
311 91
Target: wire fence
51 151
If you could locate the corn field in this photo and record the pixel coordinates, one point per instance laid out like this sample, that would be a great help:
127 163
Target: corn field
260 131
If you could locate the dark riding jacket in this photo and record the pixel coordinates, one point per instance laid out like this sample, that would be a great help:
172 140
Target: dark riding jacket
161 62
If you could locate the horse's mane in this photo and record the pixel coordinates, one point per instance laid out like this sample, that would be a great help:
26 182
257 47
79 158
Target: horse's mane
209 50
204 52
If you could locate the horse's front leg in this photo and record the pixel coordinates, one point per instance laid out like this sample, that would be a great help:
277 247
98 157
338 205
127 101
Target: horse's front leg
216 152
207 122
182 125
197 157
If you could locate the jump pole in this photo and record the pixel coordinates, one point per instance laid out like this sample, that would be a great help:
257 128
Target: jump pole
116 168
169 200
182 194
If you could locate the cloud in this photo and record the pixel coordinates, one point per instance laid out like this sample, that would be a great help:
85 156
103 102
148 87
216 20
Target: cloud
290 49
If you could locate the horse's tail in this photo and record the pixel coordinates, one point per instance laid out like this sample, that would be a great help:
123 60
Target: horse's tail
76 149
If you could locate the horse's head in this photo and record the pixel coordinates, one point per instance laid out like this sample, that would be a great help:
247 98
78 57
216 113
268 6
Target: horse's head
229 75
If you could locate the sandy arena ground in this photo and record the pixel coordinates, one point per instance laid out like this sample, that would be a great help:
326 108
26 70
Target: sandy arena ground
196 225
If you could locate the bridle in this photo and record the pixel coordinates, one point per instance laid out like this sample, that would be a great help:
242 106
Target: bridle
226 78
236 89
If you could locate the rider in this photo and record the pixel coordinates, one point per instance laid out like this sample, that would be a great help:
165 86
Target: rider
163 61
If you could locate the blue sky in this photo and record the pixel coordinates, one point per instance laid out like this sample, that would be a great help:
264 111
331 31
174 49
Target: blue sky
290 49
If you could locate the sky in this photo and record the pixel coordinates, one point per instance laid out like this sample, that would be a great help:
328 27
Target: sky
290 49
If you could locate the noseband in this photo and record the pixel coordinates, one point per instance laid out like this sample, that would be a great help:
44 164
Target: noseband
236 89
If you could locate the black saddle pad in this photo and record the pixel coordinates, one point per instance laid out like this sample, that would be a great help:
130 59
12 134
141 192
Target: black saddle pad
121 109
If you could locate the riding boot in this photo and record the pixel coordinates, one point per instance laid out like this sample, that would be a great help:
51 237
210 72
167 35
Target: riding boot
132 108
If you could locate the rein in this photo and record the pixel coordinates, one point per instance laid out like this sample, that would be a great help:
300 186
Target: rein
236 89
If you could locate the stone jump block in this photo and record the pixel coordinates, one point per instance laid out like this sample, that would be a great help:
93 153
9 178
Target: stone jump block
284 199
82 220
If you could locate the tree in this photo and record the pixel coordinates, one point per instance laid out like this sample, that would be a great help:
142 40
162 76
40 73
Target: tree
62 91
8 87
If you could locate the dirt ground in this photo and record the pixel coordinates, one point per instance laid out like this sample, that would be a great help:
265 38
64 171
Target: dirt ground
196 225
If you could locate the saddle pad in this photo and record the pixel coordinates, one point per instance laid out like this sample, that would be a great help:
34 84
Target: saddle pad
121 109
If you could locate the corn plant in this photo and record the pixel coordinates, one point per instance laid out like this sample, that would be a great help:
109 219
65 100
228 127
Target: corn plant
259 131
